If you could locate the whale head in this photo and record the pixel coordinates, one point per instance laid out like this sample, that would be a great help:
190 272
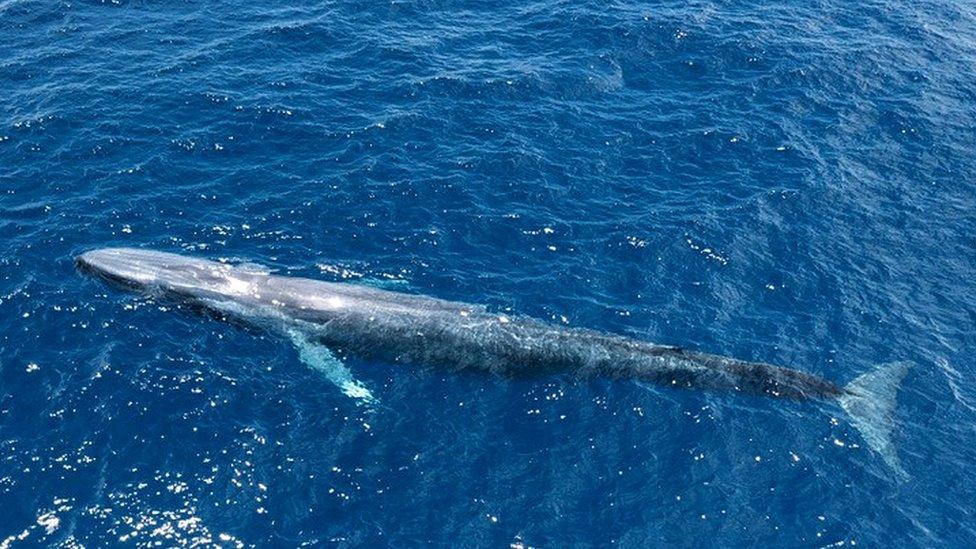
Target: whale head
147 269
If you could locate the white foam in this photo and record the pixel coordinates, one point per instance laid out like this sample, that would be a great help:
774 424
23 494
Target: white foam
49 521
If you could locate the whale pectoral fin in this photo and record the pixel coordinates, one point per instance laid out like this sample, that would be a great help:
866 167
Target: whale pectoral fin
321 359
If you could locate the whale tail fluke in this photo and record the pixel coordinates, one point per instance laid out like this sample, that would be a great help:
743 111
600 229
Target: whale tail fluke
869 400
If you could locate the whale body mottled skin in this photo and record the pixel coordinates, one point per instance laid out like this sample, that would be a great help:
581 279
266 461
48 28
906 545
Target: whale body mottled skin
407 328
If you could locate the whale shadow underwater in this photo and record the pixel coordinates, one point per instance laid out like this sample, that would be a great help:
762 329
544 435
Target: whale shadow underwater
322 318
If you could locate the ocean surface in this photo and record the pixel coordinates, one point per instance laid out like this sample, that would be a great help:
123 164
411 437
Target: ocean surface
789 182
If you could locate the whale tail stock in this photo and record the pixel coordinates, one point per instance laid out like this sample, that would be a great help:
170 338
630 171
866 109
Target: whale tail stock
869 401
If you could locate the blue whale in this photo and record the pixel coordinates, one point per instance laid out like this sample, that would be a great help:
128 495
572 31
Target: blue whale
407 328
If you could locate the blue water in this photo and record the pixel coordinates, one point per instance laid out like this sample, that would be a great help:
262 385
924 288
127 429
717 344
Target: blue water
788 182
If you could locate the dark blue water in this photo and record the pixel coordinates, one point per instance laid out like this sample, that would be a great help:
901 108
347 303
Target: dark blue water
785 182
